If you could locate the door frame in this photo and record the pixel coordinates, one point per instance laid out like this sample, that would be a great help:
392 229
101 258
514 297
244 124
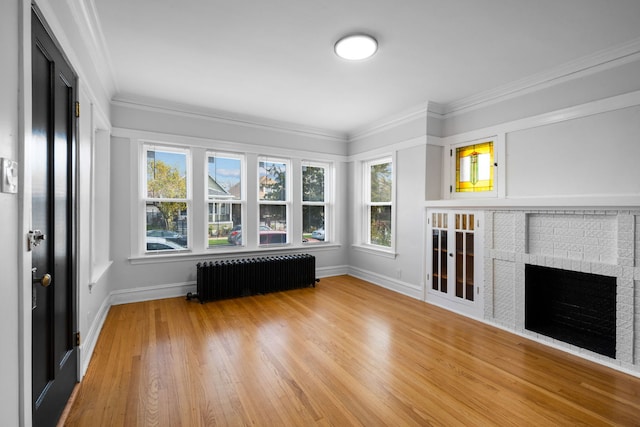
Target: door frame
24 190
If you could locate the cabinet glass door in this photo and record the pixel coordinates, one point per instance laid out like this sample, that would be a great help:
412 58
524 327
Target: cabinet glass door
454 264
440 243
464 256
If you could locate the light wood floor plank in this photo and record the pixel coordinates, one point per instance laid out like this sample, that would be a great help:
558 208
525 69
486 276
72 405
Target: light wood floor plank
345 353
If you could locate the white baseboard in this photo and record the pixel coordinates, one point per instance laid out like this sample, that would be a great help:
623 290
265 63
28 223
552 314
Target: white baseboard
149 293
387 282
88 344
338 270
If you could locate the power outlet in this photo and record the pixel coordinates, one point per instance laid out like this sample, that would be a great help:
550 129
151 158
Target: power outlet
9 176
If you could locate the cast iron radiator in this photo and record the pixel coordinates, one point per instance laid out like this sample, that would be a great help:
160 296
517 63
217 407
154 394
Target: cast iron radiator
251 276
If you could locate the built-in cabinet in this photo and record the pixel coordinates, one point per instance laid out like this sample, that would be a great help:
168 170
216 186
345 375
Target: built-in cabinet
454 260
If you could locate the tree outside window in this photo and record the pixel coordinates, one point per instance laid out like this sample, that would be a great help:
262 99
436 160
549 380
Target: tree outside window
166 213
314 202
273 201
379 178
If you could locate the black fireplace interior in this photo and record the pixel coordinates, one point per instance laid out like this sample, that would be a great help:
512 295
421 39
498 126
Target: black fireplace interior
573 307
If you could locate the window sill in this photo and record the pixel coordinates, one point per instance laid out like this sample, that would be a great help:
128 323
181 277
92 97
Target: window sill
373 250
217 253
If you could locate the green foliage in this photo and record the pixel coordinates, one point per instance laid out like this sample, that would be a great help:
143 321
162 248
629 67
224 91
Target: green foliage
381 180
274 181
165 182
312 184
381 225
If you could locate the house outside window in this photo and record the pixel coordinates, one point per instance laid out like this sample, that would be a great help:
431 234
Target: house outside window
315 202
166 198
379 195
273 201
225 199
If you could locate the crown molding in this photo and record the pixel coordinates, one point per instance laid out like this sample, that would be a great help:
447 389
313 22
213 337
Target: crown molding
590 64
226 117
389 122
86 18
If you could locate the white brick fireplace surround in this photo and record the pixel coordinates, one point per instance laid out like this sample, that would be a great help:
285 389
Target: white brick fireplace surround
604 242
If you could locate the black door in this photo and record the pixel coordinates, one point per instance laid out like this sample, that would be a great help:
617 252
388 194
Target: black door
54 355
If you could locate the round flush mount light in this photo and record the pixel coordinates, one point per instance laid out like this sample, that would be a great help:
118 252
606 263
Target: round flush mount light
356 47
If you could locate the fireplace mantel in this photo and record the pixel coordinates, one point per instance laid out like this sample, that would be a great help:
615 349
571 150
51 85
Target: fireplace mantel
594 239
588 202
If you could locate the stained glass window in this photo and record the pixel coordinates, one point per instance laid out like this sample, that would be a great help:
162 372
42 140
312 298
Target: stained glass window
474 168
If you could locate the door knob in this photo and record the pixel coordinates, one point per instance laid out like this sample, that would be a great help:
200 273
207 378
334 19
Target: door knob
45 280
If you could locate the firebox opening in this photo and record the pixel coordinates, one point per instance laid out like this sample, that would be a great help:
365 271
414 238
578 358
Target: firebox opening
573 307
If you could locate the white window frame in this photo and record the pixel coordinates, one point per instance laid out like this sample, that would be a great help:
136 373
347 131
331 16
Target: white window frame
367 204
143 199
328 197
287 202
243 194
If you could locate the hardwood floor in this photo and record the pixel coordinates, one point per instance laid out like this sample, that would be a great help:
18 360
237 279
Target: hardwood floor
345 353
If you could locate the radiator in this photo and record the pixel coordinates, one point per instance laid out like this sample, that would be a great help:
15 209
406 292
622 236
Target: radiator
251 276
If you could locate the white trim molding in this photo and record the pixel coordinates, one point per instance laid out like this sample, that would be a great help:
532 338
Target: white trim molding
219 116
599 61
395 285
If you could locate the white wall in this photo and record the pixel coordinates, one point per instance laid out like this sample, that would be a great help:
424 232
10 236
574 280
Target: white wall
136 277
580 88
593 155
403 271
9 148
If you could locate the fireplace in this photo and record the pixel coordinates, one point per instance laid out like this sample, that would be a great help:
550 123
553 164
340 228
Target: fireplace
571 306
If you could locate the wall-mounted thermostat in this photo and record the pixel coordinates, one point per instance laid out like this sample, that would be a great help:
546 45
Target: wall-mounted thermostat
9 176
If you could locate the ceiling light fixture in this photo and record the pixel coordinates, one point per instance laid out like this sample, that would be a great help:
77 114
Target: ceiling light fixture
356 47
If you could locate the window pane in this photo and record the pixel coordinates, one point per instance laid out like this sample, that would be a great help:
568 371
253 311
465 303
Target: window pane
312 184
272 180
313 223
166 175
380 227
166 225
224 220
381 182
224 180
474 168
273 224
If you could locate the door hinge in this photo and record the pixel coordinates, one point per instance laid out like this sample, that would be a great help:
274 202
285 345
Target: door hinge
451 189
77 339
77 109
451 153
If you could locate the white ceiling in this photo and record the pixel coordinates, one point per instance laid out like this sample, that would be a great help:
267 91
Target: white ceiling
275 60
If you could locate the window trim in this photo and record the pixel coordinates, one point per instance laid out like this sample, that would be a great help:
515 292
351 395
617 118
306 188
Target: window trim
365 216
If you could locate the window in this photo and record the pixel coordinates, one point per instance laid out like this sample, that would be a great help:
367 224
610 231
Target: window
474 168
315 198
225 199
166 198
273 201
378 178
